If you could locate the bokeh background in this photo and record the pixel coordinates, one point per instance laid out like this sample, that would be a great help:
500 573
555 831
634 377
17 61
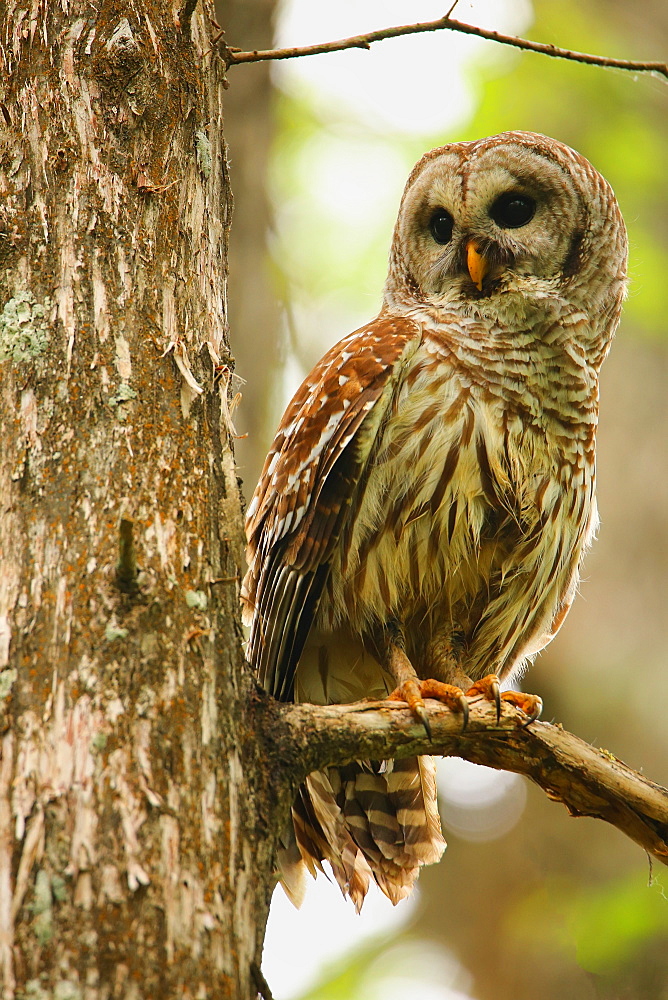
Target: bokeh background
527 903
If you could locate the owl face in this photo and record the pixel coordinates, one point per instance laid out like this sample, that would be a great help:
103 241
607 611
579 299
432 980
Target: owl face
513 216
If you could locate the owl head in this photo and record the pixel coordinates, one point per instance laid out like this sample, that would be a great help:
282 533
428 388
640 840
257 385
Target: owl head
512 225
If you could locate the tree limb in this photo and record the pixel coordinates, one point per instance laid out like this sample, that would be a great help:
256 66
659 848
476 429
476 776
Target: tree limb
589 781
233 56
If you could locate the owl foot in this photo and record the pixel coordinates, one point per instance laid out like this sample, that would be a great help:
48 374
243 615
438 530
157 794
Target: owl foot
488 687
413 691
530 704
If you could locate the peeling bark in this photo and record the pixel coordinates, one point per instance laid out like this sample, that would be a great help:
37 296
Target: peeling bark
130 859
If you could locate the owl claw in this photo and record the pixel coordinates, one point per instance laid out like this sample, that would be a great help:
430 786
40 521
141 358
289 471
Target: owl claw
414 691
464 705
496 691
421 712
530 704
410 692
537 711
489 688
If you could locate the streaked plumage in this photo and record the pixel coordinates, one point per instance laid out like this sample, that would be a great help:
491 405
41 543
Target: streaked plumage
435 472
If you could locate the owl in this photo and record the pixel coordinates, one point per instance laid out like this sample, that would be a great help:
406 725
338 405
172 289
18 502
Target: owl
421 518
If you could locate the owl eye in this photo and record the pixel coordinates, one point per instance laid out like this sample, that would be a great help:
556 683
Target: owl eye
440 226
512 210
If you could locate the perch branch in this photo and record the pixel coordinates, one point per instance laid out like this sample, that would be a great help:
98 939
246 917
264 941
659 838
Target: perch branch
234 56
589 781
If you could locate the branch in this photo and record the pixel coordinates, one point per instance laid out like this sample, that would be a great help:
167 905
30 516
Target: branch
234 56
589 781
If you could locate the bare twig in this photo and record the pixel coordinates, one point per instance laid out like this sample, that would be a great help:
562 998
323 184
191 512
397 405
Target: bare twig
589 781
261 983
234 56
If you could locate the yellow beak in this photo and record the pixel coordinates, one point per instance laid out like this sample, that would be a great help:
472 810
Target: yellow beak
477 264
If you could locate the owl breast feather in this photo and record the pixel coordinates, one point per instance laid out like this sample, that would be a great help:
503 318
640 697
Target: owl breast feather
469 525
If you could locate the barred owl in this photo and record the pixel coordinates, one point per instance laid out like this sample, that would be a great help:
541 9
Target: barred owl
423 512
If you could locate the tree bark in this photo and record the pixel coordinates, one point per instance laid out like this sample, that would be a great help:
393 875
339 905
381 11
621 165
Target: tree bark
133 858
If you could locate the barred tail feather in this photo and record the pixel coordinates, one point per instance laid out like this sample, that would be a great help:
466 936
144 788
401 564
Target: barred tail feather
427 841
293 871
367 820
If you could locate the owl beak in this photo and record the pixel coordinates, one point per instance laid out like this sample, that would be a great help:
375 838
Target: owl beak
478 266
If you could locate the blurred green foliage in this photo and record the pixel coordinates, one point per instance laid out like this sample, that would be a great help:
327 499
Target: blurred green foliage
399 965
314 258
607 925
348 980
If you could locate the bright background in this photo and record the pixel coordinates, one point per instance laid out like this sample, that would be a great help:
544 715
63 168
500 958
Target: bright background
527 903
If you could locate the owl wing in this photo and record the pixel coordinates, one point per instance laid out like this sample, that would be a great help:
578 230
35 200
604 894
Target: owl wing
307 490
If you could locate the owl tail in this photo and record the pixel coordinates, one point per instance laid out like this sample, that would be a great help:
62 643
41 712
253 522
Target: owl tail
368 820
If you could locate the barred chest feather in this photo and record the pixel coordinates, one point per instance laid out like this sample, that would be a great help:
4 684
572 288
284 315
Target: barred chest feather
472 520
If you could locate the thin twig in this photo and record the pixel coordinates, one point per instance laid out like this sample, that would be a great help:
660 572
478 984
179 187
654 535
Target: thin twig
589 781
234 56
261 984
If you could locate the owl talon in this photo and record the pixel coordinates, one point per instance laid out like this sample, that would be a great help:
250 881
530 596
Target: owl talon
489 688
530 704
421 712
496 692
414 691
409 692
464 705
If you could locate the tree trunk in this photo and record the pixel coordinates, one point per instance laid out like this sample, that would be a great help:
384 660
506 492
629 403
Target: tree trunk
256 324
130 792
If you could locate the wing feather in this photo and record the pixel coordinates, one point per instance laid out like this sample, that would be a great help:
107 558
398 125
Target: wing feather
308 486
